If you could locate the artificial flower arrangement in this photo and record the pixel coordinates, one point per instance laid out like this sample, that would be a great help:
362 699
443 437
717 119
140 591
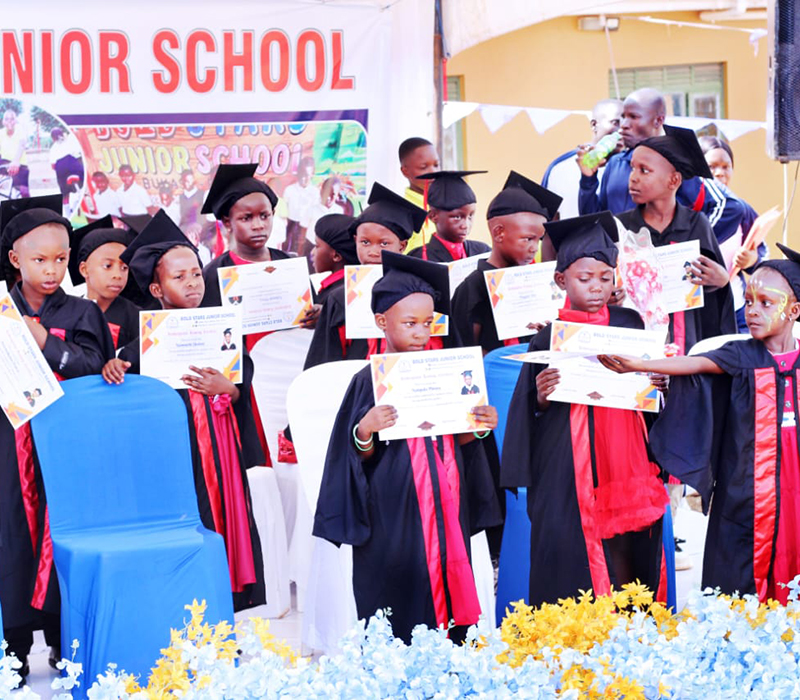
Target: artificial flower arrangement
620 646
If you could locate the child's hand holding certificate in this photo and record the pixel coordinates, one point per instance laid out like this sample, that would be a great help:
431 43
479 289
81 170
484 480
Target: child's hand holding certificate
27 384
584 380
172 342
431 392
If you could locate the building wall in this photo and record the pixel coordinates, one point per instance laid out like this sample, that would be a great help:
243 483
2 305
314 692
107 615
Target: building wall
555 65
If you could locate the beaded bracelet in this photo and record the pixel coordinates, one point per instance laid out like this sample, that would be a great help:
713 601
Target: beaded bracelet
481 437
362 445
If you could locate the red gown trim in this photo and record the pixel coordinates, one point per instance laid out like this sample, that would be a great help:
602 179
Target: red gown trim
27 480
584 489
764 476
45 566
458 251
238 543
460 579
114 328
331 279
31 500
206 449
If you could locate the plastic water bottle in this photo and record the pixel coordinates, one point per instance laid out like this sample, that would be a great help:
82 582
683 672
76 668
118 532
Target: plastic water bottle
602 149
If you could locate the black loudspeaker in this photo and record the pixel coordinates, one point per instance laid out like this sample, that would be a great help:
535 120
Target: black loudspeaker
783 100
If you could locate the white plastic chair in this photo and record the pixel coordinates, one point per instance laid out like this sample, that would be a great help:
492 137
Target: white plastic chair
717 341
278 359
325 585
268 514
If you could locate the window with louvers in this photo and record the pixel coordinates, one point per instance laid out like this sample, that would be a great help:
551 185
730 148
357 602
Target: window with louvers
690 90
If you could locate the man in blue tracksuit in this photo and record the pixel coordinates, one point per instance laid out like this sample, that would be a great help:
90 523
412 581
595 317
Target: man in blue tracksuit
643 114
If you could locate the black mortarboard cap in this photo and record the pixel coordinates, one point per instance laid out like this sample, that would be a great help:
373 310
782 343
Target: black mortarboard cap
85 240
143 254
394 212
337 231
404 275
681 148
789 268
136 222
520 194
21 216
466 373
230 184
589 236
448 190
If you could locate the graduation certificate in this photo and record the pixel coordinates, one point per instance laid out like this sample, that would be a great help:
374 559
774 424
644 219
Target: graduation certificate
170 341
584 380
459 270
273 295
433 391
359 320
521 296
27 384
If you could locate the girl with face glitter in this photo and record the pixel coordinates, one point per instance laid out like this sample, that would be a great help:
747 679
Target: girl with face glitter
731 433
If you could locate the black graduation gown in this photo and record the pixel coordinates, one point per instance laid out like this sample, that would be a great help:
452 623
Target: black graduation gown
538 453
329 343
204 444
322 295
471 305
212 296
373 505
721 435
79 343
717 317
435 251
123 321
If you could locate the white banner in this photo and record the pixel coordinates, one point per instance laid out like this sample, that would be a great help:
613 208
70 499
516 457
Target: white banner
167 87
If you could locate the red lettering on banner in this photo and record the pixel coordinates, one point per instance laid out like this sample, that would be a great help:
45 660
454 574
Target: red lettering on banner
310 38
275 36
167 80
47 62
80 40
232 60
115 61
195 38
338 81
17 64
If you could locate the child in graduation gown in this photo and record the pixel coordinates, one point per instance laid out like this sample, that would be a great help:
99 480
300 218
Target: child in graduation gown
595 498
75 341
245 206
96 248
451 208
221 429
659 166
516 218
386 224
408 507
334 249
730 431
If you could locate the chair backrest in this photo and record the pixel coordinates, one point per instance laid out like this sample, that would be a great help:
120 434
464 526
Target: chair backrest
278 358
715 342
112 455
313 401
501 378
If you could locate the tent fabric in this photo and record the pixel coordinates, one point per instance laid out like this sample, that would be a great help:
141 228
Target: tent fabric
128 544
487 19
515 552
